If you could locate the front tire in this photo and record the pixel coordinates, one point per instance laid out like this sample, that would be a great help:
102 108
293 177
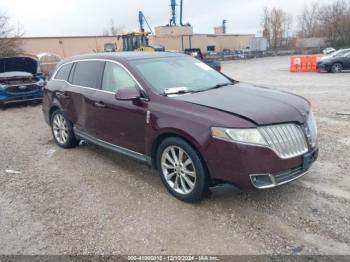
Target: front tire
337 68
181 170
62 130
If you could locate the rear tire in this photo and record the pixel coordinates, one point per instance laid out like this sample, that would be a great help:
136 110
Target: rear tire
337 68
181 170
62 130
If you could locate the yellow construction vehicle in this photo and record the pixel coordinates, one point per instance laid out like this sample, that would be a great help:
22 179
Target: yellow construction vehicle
138 41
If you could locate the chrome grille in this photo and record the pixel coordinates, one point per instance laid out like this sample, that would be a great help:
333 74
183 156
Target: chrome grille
287 140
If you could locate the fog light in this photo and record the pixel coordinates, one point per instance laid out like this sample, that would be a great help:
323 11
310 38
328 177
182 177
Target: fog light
262 181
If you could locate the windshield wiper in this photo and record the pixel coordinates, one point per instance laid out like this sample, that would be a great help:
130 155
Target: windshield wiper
184 90
218 86
178 91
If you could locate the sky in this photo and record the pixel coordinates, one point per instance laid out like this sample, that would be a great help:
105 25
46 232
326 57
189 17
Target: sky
91 17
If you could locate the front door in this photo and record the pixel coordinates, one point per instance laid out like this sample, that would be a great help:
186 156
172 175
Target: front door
121 123
347 62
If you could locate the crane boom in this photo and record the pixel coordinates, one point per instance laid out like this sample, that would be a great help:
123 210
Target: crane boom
142 20
181 12
173 13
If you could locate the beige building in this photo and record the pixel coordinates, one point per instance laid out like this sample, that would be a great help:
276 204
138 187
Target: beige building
173 30
202 41
68 46
172 38
179 38
219 30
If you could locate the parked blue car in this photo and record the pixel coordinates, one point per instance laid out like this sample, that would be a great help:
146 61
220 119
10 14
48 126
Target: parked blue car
20 80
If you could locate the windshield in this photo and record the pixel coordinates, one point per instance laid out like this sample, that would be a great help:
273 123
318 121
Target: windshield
179 73
345 54
340 53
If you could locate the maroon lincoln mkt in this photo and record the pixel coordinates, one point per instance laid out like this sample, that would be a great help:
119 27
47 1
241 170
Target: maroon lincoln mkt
198 127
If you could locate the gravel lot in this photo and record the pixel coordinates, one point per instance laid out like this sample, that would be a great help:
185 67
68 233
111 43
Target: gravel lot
90 201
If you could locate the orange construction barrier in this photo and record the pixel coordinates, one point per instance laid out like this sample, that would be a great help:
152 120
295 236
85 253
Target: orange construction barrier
303 64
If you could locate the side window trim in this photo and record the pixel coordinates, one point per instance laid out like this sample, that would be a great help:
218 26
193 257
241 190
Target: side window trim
139 86
71 73
101 73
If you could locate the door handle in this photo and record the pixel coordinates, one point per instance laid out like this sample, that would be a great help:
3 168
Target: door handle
100 104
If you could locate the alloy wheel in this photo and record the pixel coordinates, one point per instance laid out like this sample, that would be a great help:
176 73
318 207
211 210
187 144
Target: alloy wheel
60 128
178 170
337 68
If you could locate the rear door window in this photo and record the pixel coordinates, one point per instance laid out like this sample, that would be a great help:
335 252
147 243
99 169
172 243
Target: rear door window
63 72
88 74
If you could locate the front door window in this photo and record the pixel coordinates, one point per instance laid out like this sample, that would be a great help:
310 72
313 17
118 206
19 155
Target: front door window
115 77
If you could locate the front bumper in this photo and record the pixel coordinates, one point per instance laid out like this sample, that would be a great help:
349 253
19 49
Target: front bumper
14 98
264 181
323 67
238 164
18 100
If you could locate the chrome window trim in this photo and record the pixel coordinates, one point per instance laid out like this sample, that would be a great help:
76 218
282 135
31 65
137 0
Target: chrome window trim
93 89
100 60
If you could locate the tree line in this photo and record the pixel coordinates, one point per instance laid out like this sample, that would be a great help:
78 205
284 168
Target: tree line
9 37
330 21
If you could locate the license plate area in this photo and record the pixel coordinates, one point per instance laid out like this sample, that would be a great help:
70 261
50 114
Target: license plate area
309 159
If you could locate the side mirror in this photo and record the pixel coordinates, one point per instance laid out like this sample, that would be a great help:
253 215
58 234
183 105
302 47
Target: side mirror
126 94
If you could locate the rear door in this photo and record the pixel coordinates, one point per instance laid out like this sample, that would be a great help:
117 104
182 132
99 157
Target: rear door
63 91
86 82
120 123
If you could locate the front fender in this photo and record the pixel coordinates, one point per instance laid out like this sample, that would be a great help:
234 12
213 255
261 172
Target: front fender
196 134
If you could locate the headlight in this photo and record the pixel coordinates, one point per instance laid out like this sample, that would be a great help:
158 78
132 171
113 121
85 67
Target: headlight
312 126
2 86
246 136
41 83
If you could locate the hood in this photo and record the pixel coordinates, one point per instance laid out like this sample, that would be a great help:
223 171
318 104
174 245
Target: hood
326 59
18 64
15 74
262 106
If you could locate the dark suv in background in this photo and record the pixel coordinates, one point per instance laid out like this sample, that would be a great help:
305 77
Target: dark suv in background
335 62
198 127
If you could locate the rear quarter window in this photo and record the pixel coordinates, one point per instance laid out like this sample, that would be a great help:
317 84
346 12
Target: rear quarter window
63 72
88 74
